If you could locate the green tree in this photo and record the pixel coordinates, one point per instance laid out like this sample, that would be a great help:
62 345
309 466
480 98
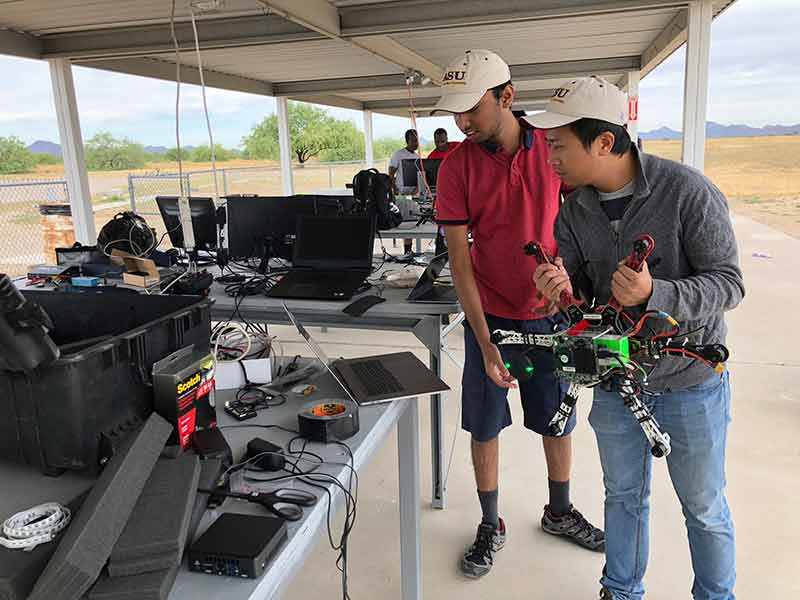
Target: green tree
15 156
311 130
385 146
349 143
43 158
203 153
104 152
172 154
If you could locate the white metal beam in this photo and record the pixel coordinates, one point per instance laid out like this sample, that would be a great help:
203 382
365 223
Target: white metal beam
162 69
69 130
575 68
19 44
154 38
319 15
669 40
328 100
395 84
695 92
322 17
342 85
395 17
633 105
368 152
285 143
390 49
427 103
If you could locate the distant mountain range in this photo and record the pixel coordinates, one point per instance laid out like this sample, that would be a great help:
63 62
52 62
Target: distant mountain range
45 147
42 147
713 130
717 130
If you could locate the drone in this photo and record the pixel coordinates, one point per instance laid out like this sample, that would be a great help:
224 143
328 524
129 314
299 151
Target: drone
604 345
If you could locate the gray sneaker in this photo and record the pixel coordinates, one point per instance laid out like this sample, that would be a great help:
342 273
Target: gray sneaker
479 558
574 527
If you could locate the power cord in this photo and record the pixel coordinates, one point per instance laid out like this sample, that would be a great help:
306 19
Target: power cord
313 477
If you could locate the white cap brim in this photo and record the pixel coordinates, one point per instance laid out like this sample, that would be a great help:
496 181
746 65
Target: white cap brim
550 120
458 103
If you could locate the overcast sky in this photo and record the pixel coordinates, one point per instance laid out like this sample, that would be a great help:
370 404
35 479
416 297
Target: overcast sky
755 80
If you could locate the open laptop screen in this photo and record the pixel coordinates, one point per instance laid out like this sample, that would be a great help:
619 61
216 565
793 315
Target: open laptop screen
334 242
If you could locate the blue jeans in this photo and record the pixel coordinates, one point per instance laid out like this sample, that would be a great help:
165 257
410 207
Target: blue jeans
697 422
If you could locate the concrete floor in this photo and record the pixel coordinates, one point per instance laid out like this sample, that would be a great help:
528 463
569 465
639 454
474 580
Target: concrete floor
763 473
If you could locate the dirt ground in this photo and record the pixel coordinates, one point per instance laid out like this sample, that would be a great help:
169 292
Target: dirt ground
760 176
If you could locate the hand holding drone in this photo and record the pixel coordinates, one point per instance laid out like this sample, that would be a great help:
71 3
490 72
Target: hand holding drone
605 345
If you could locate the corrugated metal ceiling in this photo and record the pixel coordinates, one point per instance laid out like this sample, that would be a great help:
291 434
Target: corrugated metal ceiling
520 43
297 61
40 17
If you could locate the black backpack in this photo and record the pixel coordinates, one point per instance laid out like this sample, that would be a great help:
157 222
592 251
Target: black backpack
374 195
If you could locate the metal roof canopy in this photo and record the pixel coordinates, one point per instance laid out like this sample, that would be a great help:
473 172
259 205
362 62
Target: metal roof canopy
356 54
353 53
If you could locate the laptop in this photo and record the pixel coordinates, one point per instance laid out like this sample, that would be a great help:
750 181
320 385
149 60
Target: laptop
430 289
331 259
376 379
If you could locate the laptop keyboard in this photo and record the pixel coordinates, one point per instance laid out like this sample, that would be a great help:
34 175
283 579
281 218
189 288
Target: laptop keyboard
376 378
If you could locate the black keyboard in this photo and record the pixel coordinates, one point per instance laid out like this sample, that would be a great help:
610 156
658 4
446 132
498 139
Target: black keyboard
376 378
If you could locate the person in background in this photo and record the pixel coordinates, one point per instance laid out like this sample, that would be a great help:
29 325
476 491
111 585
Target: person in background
396 173
443 147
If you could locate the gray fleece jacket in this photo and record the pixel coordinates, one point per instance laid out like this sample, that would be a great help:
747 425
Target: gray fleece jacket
695 265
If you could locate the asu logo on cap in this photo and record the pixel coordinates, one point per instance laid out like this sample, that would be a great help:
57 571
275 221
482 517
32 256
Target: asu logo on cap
454 78
559 94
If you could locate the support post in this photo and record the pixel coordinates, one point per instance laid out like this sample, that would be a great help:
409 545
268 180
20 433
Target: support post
285 143
695 91
369 155
69 131
633 105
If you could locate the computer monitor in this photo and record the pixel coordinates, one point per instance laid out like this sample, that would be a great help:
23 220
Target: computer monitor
261 226
204 221
340 242
411 172
333 204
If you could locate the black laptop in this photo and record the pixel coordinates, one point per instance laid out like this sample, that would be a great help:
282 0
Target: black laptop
331 259
430 289
375 379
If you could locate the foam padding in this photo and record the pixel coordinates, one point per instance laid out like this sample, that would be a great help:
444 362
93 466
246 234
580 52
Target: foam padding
87 542
148 586
148 564
160 520
210 470
19 570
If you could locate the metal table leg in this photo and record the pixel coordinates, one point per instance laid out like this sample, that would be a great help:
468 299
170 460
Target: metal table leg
408 468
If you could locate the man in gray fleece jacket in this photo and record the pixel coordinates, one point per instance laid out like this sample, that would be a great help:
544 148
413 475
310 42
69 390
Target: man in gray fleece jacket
693 274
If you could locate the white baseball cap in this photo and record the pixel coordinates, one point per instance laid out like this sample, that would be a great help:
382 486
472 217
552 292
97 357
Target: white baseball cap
583 98
466 80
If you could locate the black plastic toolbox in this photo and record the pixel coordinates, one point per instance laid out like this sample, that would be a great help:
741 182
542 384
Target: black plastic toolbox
72 413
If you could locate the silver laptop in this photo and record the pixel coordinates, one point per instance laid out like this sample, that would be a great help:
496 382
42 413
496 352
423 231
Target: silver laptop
376 379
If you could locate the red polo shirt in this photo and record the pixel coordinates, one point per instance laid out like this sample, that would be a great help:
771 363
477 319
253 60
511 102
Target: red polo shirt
450 147
507 201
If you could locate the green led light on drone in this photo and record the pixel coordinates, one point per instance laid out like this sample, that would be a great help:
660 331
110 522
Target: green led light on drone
529 369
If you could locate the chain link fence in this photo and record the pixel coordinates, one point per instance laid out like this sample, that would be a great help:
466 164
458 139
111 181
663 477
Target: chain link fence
262 181
21 242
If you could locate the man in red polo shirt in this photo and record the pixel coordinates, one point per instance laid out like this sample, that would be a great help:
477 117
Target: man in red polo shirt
498 185
442 146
